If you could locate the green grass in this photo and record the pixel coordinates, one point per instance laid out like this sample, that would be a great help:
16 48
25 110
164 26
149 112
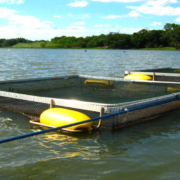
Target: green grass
55 46
36 45
160 48
28 45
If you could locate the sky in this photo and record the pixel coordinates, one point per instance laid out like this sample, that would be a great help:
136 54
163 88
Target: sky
46 19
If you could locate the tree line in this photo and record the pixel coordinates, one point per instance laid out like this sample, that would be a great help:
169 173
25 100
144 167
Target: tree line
168 37
14 41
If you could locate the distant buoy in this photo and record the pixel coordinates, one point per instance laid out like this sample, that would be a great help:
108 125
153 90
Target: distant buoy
138 77
60 116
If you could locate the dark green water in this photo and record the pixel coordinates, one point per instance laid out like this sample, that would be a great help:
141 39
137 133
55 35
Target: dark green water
150 150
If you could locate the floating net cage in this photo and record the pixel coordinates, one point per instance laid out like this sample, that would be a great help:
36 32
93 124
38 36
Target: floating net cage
171 74
95 96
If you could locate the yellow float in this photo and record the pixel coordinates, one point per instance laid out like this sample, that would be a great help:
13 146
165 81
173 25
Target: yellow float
173 89
98 83
138 77
177 71
60 116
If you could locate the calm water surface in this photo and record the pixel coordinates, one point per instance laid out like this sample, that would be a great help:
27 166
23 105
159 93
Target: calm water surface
149 150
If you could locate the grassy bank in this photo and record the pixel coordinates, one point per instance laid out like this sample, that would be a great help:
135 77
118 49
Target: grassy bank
38 45
160 48
28 45
47 45
55 46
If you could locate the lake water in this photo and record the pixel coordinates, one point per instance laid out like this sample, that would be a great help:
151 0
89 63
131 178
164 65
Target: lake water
147 151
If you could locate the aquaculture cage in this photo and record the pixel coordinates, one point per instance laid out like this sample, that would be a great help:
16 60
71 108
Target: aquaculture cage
94 96
171 74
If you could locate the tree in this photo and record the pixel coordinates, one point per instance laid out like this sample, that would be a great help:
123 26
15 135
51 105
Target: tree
169 26
10 42
140 39
171 36
2 42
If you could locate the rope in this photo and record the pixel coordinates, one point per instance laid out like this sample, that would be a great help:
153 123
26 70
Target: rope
90 120
54 129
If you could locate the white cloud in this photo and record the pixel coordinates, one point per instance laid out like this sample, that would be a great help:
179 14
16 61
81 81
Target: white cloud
123 30
102 25
75 27
156 10
78 4
57 16
9 32
13 31
129 30
153 7
27 21
161 2
20 2
124 1
155 24
157 7
178 19
149 2
84 16
133 14
79 23
12 1
48 22
28 27
5 12
112 16
33 28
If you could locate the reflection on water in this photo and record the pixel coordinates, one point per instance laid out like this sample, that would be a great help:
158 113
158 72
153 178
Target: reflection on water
133 149
145 151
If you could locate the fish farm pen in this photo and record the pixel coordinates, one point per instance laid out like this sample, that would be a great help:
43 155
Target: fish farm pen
94 96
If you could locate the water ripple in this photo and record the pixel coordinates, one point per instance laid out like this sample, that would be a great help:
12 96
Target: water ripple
145 151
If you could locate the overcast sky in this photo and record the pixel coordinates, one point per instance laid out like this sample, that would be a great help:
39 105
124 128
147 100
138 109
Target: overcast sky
45 19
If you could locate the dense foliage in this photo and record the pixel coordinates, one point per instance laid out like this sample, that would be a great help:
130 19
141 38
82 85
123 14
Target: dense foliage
169 36
12 42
